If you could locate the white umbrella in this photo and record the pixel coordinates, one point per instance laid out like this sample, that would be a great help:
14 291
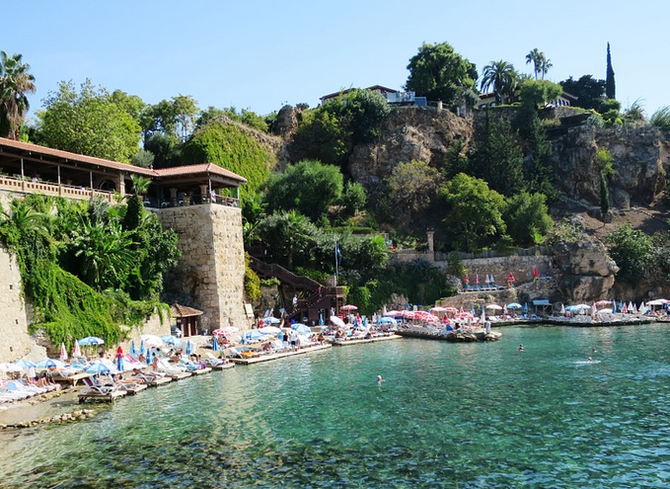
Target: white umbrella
152 340
337 322
495 307
271 330
63 352
77 351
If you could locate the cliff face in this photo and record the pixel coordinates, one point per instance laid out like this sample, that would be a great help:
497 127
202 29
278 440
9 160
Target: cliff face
409 133
640 157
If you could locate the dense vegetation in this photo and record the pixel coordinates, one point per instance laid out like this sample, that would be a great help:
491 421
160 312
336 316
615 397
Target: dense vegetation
494 192
85 268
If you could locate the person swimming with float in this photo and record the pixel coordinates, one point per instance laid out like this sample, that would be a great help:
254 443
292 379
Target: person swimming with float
379 379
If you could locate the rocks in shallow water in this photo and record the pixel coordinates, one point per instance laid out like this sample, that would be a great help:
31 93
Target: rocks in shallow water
77 415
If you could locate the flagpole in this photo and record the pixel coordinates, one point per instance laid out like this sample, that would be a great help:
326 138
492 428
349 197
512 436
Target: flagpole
336 264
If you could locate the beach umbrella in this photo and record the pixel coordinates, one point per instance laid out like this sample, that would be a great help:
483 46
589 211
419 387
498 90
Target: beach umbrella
494 307
149 357
514 305
466 279
171 340
563 309
101 367
301 328
215 344
151 340
525 307
24 364
143 348
189 348
270 330
387 320
132 351
9 367
119 363
349 307
50 363
321 319
536 274
614 306
77 350
254 334
91 341
63 352
336 321
271 320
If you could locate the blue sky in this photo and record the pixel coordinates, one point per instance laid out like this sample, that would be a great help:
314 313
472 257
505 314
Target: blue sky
260 55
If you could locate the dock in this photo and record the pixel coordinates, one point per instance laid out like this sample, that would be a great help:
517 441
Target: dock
133 389
224 366
456 336
360 341
180 375
159 381
201 371
276 356
70 379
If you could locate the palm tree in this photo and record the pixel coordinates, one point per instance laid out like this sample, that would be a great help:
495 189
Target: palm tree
501 77
540 62
15 83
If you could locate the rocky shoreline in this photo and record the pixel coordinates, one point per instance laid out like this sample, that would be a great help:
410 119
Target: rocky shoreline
53 407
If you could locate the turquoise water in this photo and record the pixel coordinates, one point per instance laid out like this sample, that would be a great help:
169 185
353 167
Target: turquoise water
447 415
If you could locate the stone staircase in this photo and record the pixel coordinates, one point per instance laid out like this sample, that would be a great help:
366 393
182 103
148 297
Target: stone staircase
312 296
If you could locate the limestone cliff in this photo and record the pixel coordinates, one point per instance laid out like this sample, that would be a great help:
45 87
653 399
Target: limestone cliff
640 157
409 133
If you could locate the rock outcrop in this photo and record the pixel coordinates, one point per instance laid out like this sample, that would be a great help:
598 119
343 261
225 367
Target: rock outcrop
640 157
585 270
409 133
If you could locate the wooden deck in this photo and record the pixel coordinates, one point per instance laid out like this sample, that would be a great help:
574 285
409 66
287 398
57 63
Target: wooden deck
159 381
70 379
345 342
180 376
276 356
90 396
134 388
224 366
201 371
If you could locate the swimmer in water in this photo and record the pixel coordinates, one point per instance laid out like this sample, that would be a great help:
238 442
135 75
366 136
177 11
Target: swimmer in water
520 347
593 350
379 379
589 360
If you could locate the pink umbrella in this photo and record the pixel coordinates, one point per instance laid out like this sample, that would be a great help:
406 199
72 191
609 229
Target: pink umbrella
63 352
477 279
467 279
349 307
77 350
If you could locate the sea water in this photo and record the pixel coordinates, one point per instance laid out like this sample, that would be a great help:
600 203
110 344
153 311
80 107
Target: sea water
482 415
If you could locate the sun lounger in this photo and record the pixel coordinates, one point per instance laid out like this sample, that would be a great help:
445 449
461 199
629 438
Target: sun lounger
97 388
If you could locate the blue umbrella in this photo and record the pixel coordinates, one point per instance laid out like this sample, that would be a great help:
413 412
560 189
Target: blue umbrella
189 347
525 307
143 349
133 351
50 363
98 368
171 340
148 357
91 341
321 323
254 334
301 328
119 363
25 364
215 343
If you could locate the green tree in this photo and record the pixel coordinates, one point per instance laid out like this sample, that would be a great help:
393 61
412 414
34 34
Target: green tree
455 160
89 122
15 83
174 118
631 250
321 135
498 158
365 110
610 84
286 234
353 198
527 218
308 187
439 73
540 62
501 77
535 93
412 188
474 212
143 159
589 91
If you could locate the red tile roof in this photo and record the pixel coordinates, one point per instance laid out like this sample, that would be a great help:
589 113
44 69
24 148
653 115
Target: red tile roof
34 149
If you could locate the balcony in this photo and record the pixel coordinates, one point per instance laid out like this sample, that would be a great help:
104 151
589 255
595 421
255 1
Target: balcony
25 186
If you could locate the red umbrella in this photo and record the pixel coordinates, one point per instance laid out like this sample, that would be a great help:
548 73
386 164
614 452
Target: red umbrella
467 279
348 307
536 273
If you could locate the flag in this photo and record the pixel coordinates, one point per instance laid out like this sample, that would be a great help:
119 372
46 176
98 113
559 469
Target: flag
536 274
338 254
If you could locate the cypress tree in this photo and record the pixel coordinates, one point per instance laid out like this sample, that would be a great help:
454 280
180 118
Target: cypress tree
610 88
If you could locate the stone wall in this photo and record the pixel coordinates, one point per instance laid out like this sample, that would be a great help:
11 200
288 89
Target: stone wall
522 267
210 275
16 342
